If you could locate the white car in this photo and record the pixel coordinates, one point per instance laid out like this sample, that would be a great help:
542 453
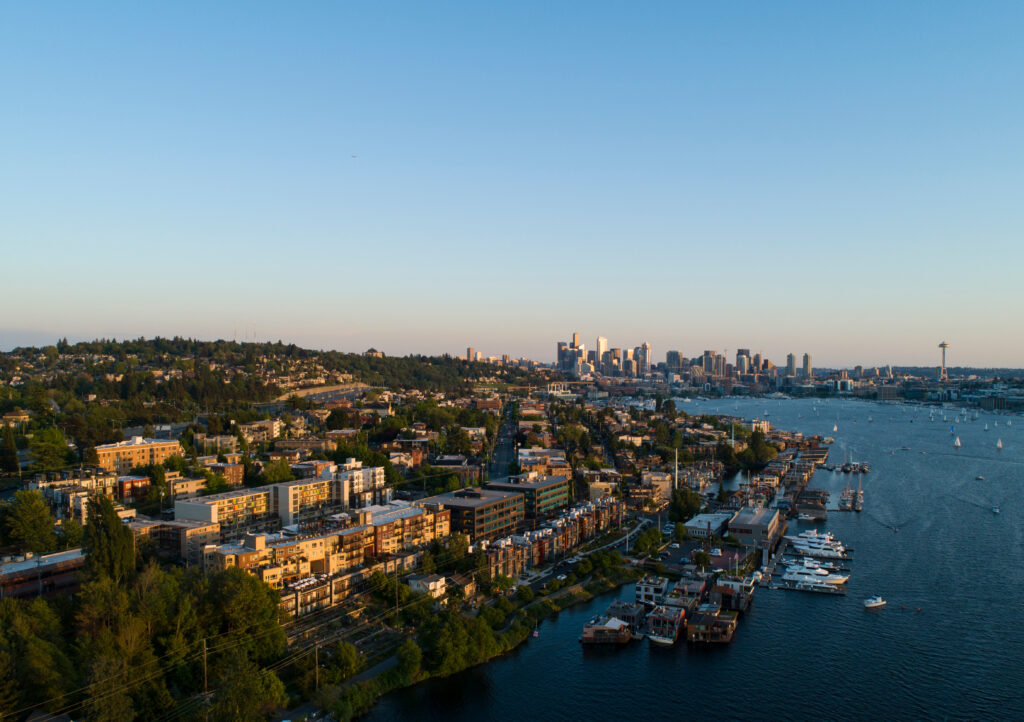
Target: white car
561 577
716 552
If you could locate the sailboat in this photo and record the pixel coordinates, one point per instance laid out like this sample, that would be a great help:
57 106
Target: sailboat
835 428
956 443
986 427
999 445
1009 422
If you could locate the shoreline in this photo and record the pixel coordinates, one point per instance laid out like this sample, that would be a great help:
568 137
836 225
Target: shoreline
514 635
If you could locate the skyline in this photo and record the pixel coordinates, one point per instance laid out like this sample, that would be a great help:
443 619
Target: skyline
419 179
801 357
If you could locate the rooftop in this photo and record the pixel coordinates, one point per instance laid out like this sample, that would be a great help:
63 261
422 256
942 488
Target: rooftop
470 497
754 517
44 560
135 441
525 481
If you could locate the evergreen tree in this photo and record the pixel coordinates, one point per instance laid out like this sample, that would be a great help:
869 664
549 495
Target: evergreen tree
110 548
29 524
8 451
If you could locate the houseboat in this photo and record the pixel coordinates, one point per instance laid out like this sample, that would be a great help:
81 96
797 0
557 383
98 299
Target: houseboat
606 630
651 590
664 624
711 625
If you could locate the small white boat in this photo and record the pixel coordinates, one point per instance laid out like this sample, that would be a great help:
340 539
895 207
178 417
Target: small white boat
874 602
979 478
956 443
995 510
999 444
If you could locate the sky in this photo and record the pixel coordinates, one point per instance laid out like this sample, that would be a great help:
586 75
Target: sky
844 179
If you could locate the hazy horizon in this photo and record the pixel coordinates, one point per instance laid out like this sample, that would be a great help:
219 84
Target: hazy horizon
835 179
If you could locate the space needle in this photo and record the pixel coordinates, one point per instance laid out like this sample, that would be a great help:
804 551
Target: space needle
942 370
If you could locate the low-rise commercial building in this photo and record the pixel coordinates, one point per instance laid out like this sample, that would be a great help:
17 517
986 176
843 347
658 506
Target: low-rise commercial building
46 575
704 526
760 528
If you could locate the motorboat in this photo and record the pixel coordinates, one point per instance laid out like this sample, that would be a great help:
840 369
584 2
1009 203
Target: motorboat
810 576
995 510
875 602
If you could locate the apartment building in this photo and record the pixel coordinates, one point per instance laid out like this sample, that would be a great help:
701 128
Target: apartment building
261 431
361 486
543 495
233 473
178 539
482 513
279 559
304 500
124 456
543 461
238 512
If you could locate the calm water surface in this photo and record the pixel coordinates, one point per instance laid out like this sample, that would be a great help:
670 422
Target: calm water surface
800 656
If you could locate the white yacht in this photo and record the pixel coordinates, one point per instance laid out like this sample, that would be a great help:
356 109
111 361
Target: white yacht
813 572
813 576
874 602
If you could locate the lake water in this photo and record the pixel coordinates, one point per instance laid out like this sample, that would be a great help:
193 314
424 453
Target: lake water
799 656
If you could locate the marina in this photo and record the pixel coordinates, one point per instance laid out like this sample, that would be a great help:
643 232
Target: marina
933 500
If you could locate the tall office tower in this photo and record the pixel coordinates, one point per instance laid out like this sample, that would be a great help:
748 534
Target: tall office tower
790 365
562 359
470 354
720 365
808 372
575 341
504 359
707 362
757 363
743 360
600 348
644 360
674 361
858 372
592 358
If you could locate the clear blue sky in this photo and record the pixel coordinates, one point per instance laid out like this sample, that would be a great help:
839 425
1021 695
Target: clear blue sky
834 177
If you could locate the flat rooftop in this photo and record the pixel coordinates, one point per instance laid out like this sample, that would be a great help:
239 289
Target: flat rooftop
468 498
754 517
225 495
135 441
522 482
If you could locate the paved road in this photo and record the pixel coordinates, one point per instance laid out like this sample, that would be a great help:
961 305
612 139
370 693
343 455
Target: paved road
504 448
